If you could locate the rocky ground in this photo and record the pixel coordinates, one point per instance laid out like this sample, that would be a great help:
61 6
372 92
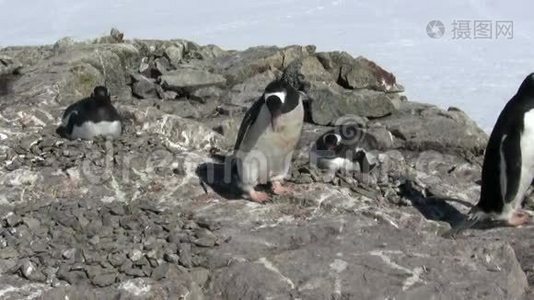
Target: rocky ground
150 216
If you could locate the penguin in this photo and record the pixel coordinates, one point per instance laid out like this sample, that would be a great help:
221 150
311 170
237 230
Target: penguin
508 166
346 148
267 138
91 117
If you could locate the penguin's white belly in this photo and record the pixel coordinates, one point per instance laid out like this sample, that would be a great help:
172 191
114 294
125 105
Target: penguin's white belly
89 130
527 158
338 163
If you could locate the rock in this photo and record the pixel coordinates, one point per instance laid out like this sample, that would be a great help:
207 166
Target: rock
200 276
204 238
186 259
177 130
69 253
238 66
135 255
8 252
116 35
12 219
162 65
175 54
331 105
383 258
210 93
422 127
104 280
171 257
358 73
190 79
250 90
210 52
30 271
313 70
143 87
160 272
169 95
234 285
8 65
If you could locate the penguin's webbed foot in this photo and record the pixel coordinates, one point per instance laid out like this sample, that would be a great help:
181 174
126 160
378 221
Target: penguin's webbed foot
259 197
519 217
278 189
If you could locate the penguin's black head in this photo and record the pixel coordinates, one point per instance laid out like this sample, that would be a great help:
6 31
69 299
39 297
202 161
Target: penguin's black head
280 98
527 87
101 94
329 141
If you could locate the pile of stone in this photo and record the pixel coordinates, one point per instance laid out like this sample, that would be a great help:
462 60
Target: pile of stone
102 244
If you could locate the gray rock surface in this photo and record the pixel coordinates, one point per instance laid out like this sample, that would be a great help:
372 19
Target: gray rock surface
151 215
190 78
331 103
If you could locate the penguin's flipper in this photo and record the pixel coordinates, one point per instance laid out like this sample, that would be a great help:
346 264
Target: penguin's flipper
248 120
511 153
73 120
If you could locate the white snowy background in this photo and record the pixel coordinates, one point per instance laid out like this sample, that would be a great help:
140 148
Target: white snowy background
478 76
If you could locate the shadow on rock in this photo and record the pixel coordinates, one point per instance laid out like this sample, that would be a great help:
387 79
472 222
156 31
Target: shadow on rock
218 176
432 208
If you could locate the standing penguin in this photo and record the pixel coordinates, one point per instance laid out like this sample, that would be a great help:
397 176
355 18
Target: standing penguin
91 117
347 147
267 138
508 168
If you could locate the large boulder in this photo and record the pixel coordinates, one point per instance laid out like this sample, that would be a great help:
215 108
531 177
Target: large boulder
184 79
358 73
238 66
329 103
72 75
245 93
143 87
422 127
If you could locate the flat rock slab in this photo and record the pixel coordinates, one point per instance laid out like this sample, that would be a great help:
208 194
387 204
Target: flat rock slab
190 78
339 259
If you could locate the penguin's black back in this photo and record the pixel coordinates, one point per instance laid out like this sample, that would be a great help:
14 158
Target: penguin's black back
510 123
90 110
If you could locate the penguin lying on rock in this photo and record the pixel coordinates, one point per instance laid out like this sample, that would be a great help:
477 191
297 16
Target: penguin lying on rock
267 138
508 168
91 117
345 148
